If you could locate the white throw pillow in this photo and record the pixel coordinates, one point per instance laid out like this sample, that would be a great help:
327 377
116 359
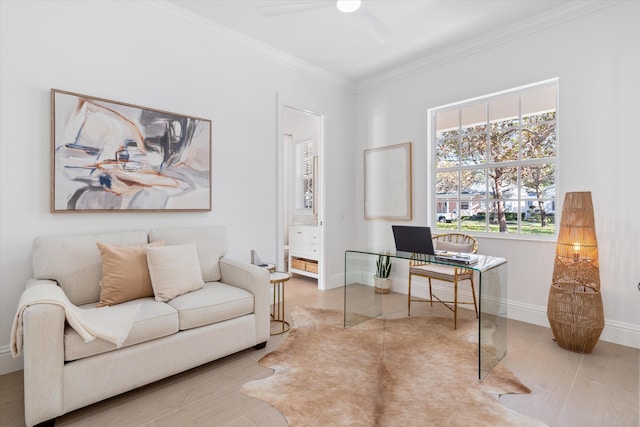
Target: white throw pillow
174 270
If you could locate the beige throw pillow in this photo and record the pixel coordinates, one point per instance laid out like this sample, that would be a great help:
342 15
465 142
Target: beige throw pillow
174 270
125 275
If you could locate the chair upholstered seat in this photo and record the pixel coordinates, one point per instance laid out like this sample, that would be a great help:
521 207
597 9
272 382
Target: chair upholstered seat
441 272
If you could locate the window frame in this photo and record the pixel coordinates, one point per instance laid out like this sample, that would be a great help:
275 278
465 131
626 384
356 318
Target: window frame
521 202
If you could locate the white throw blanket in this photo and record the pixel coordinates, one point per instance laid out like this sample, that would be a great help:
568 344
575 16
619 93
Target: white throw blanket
108 323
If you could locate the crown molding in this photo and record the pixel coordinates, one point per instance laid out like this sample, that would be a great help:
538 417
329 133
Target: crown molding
570 11
164 9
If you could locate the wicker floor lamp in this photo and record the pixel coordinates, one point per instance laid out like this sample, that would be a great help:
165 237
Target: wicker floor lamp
574 309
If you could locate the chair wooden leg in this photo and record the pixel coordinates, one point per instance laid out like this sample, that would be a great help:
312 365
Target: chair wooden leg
473 293
430 293
455 304
409 297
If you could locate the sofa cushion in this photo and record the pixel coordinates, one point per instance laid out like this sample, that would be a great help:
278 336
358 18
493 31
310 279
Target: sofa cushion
174 270
74 261
125 275
215 302
154 320
211 244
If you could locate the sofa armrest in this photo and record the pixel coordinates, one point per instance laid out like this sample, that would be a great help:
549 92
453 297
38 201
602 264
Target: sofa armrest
255 280
34 282
43 352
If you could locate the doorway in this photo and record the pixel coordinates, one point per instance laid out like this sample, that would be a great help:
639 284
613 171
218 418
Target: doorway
300 201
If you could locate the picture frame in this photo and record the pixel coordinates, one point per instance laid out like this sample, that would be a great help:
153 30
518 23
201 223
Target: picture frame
387 182
111 156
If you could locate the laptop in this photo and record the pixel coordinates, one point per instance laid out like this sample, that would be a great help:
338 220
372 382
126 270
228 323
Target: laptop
457 257
418 240
413 239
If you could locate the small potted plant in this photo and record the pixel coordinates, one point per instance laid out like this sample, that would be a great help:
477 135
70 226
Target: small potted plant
381 280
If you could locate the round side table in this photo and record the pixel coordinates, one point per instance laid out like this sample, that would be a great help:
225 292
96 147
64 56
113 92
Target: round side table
269 266
278 279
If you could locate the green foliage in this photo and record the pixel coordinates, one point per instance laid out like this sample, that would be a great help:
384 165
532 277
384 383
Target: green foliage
478 224
383 266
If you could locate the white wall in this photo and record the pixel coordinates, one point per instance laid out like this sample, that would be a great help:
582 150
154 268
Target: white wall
148 54
596 57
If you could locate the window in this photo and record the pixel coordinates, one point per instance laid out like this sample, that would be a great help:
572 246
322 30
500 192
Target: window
494 162
304 175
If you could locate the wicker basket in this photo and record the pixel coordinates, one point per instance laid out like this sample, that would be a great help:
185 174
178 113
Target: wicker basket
312 267
298 264
576 316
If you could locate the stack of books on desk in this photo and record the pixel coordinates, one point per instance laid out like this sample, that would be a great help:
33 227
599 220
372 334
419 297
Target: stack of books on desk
456 257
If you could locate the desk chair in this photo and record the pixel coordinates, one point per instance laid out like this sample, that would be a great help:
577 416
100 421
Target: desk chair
420 266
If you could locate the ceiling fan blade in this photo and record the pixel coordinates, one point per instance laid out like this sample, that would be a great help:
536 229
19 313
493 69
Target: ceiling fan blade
378 30
270 9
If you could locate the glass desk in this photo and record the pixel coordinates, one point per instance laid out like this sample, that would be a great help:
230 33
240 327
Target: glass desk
362 303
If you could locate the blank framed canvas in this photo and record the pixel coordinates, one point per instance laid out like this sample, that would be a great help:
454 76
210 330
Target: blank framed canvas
387 182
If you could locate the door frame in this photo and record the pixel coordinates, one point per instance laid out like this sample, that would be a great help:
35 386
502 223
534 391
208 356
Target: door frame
281 184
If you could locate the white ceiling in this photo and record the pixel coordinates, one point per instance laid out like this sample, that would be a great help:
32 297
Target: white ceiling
383 34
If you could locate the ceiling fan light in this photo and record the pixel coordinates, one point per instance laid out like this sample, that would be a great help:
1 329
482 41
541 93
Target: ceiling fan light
348 6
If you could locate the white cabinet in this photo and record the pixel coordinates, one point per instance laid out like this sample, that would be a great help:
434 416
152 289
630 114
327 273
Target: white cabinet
304 250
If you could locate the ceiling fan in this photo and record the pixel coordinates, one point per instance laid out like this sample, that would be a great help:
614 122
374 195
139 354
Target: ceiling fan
356 8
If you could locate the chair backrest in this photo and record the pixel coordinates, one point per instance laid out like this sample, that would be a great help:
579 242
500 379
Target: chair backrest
455 242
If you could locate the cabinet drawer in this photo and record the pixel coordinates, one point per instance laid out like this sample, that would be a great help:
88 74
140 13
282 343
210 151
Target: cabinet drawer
303 234
303 241
311 235
296 237
305 250
311 249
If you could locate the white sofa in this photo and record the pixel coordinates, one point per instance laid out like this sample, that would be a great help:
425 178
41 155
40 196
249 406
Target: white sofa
63 373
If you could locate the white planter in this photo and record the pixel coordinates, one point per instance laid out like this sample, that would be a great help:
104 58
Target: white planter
382 285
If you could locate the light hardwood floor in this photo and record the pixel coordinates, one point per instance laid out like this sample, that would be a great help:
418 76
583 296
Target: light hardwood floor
569 389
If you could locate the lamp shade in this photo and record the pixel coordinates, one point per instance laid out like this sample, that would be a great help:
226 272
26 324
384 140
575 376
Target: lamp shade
577 237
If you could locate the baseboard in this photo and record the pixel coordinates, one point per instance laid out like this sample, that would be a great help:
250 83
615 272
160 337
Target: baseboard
615 332
334 281
621 333
8 363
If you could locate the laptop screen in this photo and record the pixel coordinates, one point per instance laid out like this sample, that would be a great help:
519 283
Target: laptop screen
413 239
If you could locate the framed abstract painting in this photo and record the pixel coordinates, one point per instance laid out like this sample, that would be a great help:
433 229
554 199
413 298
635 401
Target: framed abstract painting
109 156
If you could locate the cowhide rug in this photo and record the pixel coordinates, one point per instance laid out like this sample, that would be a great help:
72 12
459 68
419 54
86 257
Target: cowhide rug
414 371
